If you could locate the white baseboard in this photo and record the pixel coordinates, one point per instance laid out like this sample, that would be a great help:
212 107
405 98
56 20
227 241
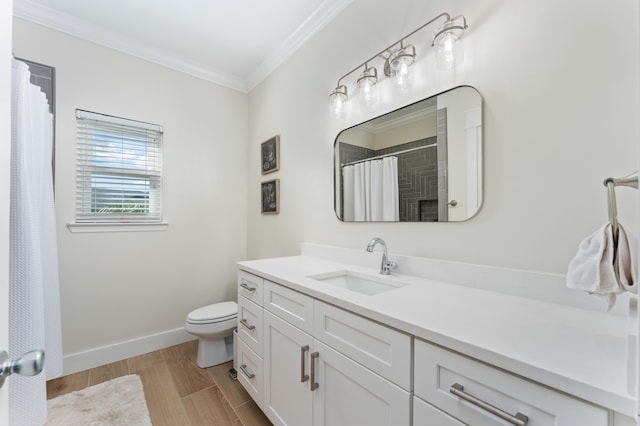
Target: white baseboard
96 357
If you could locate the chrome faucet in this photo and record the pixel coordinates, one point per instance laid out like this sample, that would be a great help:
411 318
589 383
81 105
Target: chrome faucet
386 266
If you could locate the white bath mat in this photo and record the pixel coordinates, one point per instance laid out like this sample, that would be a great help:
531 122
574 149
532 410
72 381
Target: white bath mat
116 402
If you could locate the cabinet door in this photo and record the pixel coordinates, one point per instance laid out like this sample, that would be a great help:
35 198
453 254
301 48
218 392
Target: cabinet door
287 395
350 394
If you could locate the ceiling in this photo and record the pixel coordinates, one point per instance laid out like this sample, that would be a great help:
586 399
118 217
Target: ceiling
233 43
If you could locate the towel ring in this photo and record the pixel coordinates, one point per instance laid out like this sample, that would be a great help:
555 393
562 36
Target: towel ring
611 183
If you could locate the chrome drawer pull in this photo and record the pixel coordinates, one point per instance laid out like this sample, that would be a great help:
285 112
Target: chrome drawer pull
244 285
303 377
243 367
519 419
314 385
246 324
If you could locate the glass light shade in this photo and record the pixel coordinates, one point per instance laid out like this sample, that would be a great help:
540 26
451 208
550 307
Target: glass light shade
448 44
400 63
368 90
337 100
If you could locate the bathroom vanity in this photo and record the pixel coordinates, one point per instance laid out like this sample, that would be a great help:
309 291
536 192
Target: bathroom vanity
325 340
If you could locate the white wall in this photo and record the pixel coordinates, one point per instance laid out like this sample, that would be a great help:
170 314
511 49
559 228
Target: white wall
560 89
119 286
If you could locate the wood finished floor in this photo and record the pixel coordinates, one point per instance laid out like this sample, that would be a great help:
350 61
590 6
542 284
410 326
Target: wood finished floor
178 392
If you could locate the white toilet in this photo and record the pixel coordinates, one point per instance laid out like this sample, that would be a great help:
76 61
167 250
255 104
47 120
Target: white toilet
214 325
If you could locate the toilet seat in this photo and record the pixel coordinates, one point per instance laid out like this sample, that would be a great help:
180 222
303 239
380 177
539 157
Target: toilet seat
217 312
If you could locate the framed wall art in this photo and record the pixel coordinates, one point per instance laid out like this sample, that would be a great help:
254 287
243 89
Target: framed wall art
270 196
270 155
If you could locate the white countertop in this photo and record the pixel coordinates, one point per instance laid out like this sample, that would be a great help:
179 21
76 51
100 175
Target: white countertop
580 352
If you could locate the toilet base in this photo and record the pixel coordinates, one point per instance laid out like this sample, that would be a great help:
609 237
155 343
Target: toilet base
214 352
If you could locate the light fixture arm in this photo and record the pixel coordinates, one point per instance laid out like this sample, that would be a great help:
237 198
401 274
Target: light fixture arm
388 49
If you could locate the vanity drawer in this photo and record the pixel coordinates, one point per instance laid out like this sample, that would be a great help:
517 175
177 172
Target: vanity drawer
293 307
250 286
437 370
427 414
250 324
377 347
251 372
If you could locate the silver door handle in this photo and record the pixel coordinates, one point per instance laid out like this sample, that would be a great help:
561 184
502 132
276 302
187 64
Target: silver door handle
244 285
518 419
314 385
243 367
244 322
29 364
303 377
452 203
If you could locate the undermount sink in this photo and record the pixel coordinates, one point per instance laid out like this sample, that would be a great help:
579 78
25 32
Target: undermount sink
358 282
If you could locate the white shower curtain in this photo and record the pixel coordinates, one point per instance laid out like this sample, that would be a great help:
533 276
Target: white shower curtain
34 298
370 190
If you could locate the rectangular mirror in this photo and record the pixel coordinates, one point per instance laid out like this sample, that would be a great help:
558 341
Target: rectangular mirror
420 163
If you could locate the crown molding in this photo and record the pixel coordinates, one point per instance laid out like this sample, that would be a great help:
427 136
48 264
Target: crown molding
63 22
66 23
323 14
401 120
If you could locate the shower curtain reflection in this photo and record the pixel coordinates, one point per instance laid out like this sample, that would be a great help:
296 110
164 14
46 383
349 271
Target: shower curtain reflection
371 190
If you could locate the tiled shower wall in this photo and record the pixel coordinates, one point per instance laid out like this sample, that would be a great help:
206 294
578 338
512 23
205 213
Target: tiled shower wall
417 177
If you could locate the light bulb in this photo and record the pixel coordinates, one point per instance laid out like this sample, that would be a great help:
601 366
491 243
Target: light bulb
445 48
400 63
448 43
337 100
368 90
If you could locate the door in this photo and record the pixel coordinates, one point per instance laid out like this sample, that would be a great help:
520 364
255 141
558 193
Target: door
350 394
6 12
287 393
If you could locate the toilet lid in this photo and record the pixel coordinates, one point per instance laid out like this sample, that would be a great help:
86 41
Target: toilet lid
214 313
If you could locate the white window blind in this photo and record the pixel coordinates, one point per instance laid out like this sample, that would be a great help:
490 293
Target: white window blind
119 170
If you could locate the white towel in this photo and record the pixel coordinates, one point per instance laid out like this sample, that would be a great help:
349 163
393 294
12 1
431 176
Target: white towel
592 268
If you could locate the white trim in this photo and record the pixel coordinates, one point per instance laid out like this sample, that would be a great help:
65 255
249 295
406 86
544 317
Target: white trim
382 125
116 227
63 22
96 357
66 23
320 17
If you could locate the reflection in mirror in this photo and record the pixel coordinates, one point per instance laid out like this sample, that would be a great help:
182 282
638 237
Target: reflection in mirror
420 163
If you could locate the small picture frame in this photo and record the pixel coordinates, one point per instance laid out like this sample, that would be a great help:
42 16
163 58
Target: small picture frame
270 196
270 155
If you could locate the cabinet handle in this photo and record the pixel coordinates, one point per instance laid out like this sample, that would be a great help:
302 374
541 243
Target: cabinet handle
303 377
314 385
243 367
244 285
244 322
519 419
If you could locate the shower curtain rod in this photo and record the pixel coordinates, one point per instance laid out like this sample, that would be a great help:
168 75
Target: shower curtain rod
388 155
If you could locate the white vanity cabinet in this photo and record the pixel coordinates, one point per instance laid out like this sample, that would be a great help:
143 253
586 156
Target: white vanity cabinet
450 386
250 335
324 366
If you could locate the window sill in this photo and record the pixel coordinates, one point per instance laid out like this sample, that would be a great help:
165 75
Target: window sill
116 227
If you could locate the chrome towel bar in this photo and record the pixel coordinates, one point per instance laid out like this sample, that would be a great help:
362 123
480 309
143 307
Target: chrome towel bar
611 183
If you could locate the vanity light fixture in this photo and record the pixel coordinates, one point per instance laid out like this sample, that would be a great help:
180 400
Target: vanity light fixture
397 60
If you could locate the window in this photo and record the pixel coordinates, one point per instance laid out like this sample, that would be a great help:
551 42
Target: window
119 170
